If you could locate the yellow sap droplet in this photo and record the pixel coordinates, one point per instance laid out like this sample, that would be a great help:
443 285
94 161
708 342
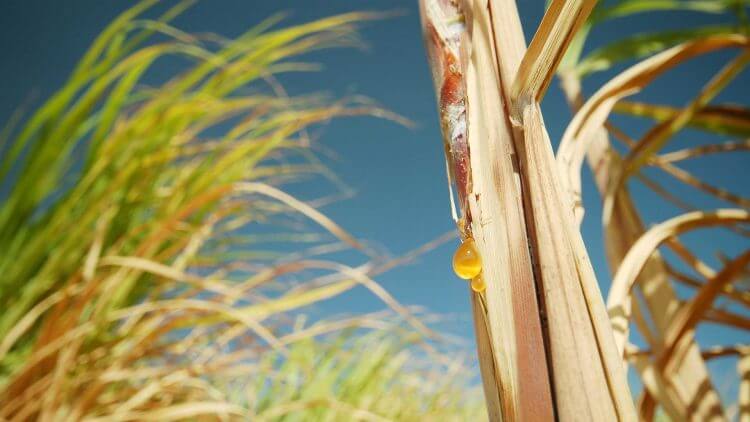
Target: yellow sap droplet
466 261
477 284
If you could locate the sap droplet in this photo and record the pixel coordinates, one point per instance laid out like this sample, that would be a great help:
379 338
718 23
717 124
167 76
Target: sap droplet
466 261
478 284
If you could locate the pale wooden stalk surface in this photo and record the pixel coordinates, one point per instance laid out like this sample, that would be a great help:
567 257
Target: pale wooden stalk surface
588 377
499 228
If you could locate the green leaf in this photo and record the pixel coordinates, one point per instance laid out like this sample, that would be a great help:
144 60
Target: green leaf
642 45
632 7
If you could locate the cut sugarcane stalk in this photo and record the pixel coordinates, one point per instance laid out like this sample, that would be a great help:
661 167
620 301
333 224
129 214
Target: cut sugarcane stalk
545 344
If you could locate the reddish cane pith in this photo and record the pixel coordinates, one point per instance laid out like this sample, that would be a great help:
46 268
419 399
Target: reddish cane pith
444 31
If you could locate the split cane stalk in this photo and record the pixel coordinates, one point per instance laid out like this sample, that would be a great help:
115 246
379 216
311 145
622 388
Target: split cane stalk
544 341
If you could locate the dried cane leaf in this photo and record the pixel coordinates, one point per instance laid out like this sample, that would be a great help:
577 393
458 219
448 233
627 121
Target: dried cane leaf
618 301
723 119
595 111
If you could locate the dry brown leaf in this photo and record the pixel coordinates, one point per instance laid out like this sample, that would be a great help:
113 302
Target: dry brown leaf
727 318
691 313
728 291
592 115
689 153
657 137
301 207
655 383
619 301
721 351
726 118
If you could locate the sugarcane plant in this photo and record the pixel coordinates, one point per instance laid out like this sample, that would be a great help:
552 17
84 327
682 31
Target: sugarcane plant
547 345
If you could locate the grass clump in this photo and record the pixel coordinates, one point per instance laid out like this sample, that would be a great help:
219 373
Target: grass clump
134 285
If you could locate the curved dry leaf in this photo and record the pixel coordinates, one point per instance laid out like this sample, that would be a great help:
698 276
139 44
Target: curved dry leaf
682 176
300 206
150 389
618 301
728 291
725 119
361 277
690 314
344 279
592 116
658 136
168 272
721 351
690 383
727 318
690 180
668 196
657 386
48 349
373 321
688 153
31 316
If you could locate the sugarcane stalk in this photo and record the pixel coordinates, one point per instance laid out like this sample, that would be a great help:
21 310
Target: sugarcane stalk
506 316
545 345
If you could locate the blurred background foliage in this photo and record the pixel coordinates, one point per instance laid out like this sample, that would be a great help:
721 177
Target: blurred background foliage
153 267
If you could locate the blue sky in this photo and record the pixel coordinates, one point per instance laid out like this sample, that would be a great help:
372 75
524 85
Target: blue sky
401 197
